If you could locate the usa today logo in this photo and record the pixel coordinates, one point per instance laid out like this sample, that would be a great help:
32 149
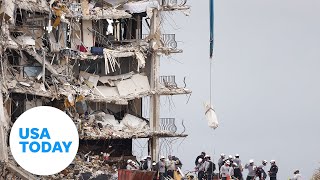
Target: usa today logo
44 140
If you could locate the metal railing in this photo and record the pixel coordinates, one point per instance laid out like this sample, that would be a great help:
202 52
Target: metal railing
168 124
168 81
168 40
171 3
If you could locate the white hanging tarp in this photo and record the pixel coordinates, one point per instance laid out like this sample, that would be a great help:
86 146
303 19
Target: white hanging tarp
211 116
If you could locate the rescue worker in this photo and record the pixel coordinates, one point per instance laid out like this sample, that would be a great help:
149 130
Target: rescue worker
135 166
171 167
142 162
273 170
260 172
237 172
252 170
154 166
130 165
200 156
147 164
225 170
230 158
161 167
178 162
209 167
238 161
221 161
296 175
200 168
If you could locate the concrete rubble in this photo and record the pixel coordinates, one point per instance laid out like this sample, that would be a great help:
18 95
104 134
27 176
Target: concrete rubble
88 59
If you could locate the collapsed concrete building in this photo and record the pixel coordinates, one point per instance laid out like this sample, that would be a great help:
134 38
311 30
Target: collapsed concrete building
92 60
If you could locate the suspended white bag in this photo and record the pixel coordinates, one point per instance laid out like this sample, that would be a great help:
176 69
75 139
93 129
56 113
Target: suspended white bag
211 116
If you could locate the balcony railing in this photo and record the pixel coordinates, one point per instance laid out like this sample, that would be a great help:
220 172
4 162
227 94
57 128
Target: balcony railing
171 3
168 40
168 81
168 124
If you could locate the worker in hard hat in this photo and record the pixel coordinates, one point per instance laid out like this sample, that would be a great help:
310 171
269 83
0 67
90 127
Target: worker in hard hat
171 167
238 161
296 175
147 164
130 165
154 166
237 172
230 158
260 172
221 161
225 171
200 156
161 166
209 167
200 168
142 161
251 170
273 170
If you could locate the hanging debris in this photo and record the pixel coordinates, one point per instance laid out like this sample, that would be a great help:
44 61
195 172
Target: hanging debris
211 116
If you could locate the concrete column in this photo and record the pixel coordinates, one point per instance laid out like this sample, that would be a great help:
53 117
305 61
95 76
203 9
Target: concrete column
154 83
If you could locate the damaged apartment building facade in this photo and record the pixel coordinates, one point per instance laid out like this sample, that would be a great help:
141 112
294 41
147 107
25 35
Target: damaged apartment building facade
92 60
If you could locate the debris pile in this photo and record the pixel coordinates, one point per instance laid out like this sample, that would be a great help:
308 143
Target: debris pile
88 59
87 167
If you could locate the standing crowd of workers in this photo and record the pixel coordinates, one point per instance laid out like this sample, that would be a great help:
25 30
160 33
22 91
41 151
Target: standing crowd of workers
232 168
228 168
165 168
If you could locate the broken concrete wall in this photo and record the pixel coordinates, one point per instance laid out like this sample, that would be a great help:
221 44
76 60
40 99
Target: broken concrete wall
7 13
44 63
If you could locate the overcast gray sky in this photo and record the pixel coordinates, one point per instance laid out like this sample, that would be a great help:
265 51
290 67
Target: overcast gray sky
266 89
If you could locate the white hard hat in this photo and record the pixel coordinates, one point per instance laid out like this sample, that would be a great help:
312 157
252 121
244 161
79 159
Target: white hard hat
148 156
264 161
237 155
162 157
230 156
228 162
154 163
199 160
272 161
251 161
222 154
129 161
